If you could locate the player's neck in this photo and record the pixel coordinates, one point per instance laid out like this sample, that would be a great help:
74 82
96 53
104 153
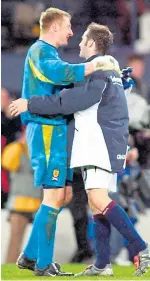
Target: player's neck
48 40
91 54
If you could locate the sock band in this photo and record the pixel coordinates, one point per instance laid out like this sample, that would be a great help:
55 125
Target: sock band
98 216
109 207
49 209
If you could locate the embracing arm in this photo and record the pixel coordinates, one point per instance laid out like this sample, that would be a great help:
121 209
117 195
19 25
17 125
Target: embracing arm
58 72
66 102
69 101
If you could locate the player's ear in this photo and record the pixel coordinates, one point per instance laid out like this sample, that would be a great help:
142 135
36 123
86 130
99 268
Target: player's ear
90 43
55 27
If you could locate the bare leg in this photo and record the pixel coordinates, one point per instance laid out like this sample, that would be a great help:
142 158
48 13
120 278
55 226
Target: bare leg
68 195
18 225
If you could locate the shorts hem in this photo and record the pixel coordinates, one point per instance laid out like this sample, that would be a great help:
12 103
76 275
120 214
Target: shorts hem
49 186
28 215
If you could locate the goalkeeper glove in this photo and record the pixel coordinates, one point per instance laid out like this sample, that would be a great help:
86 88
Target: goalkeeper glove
106 63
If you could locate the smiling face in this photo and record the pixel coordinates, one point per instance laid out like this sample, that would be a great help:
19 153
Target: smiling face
64 31
86 46
96 40
83 45
55 27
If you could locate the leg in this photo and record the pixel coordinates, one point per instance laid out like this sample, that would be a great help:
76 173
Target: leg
67 196
118 218
50 168
18 225
102 231
55 197
45 219
78 208
44 233
46 147
68 187
116 243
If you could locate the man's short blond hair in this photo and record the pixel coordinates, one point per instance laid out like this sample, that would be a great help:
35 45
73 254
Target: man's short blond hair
49 16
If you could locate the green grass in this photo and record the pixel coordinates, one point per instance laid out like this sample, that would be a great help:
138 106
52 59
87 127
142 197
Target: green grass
11 272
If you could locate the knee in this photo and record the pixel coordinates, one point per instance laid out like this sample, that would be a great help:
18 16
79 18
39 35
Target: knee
68 195
54 197
60 199
98 200
93 200
94 206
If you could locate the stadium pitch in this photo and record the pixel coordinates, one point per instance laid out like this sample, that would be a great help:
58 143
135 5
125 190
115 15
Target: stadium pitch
11 272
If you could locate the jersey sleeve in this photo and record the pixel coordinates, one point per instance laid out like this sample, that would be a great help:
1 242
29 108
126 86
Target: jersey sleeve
56 71
64 73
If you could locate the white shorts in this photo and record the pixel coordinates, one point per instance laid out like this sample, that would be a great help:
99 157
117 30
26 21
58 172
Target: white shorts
95 177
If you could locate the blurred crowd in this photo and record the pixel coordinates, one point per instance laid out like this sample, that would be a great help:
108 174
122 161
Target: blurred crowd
129 20
22 200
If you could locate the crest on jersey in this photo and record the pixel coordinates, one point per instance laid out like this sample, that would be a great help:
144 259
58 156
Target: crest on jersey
55 175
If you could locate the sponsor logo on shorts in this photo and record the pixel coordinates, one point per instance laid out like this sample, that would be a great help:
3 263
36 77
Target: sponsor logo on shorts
55 175
121 156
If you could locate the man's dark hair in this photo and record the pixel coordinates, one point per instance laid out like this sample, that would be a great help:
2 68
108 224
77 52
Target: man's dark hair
101 35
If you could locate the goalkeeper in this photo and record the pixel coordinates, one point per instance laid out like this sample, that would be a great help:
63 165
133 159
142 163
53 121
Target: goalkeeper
47 137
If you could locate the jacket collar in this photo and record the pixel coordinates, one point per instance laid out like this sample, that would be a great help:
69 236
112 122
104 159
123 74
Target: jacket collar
93 57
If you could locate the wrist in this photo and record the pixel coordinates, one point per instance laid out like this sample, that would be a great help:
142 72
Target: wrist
92 66
89 68
28 104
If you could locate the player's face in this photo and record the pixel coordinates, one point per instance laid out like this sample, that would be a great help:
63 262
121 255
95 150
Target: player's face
65 31
84 46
